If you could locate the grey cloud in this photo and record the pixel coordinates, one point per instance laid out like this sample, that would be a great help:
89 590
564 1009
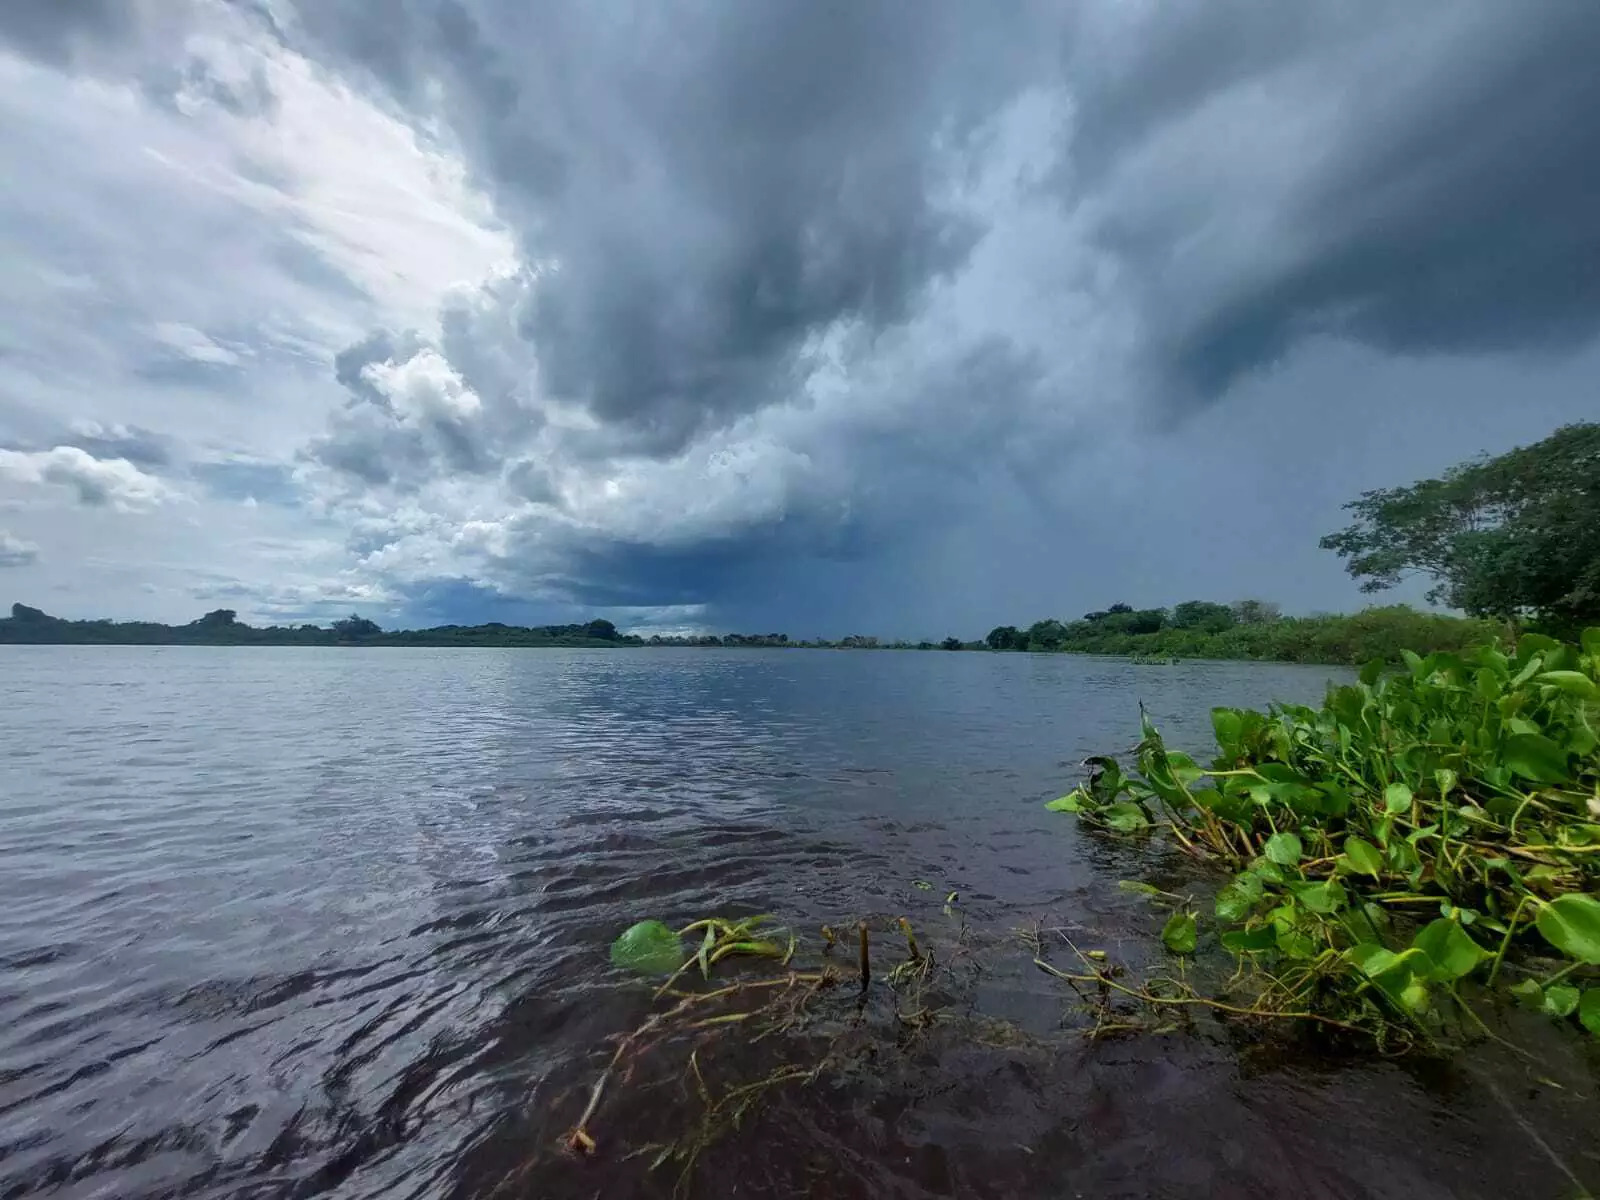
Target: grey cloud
14 552
1449 206
142 447
53 29
716 183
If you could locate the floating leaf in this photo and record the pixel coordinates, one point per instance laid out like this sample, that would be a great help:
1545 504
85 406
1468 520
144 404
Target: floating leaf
1589 1010
1450 952
1283 849
1134 885
649 948
1180 933
1362 857
1234 904
1397 798
1071 802
1571 924
1560 1000
922 885
1250 941
1125 817
1534 756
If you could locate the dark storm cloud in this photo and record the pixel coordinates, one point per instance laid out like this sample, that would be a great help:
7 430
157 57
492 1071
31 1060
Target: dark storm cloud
1454 206
714 182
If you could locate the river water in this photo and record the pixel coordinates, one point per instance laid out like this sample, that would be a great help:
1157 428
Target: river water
303 922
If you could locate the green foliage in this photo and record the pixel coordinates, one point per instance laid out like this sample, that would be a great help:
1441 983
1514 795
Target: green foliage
1198 629
1180 933
1006 637
648 947
1510 536
1203 615
1468 782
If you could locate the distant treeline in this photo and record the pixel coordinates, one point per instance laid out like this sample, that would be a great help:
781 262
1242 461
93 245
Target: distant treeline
222 627
1248 629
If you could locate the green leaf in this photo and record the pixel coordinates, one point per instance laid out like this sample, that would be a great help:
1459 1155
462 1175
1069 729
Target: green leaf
1325 897
922 885
1180 933
1294 944
1528 993
1535 757
648 947
1371 672
1125 817
1390 973
1415 996
1413 661
1397 798
1071 802
1228 724
1589 1011
1283 849
1450 952
1234 904
1268 870
1591 642
1571 924
1250 941
1560 1000
1362 857
1573 682
707 945
1134 885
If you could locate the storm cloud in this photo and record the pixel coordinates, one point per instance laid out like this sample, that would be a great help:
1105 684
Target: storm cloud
808 303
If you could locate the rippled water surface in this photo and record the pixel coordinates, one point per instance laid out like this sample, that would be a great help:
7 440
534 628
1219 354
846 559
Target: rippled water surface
300 922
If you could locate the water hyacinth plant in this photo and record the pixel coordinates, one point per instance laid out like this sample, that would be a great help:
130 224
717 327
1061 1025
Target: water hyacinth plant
1419 832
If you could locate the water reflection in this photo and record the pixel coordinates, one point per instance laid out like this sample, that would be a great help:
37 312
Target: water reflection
299 922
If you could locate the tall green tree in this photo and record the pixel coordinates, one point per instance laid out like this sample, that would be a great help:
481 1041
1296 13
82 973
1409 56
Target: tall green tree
1512 536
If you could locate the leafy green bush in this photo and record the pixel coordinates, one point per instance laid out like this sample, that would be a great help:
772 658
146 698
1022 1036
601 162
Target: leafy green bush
1467 785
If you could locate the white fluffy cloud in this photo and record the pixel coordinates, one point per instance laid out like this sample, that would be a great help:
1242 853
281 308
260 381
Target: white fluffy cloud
14 552
95 481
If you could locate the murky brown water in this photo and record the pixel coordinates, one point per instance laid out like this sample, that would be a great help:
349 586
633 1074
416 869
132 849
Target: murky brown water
283 923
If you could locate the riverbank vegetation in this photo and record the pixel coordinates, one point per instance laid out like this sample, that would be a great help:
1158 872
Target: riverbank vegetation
1247 629
1515 537
1423 841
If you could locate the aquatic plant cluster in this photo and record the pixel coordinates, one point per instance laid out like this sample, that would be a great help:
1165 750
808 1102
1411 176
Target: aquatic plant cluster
1421 834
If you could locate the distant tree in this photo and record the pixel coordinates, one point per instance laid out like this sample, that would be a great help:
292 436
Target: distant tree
1204 615
1046 635
951 643
1255 612
601 628
21 612
353 628
1006 637
1509 536
218 617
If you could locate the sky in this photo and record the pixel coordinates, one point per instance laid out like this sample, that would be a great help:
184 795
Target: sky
820 316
